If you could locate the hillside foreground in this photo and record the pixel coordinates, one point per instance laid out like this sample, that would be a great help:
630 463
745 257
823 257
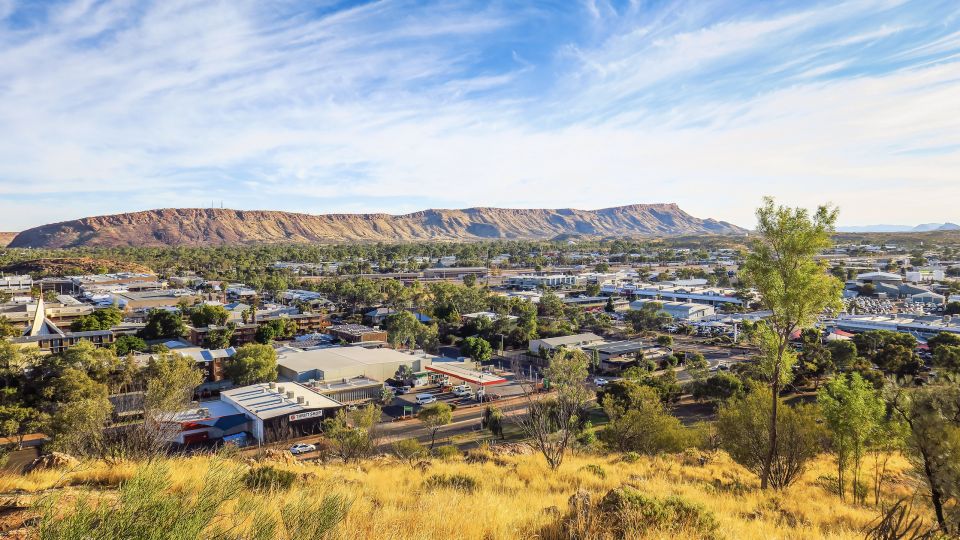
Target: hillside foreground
484 494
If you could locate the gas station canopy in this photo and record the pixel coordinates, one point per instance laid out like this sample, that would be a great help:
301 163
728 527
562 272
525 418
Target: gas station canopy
471 376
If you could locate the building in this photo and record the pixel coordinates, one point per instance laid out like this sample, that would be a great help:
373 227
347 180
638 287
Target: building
455 273
350 391
918 325
343 363
61 314
210 421
530 281
576 341
151 299
618 355
356 333
45 335
278 411
682 311
15 284
880 277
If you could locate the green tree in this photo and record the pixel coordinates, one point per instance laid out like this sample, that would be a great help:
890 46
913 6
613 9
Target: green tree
81 411
17 421
717 388
126 344
435 417
640 423
8 329
493 420
794 286
163 324
552 423
650 316
854 412
101 319
204 315
842 353
354 433
477 348
943 338
947 357
664 340
742 425
402 329
252 364
932 416
696 365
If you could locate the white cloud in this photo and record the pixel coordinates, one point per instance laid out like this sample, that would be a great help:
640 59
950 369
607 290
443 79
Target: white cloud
193 101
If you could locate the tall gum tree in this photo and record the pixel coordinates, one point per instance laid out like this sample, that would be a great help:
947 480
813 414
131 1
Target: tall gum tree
792 284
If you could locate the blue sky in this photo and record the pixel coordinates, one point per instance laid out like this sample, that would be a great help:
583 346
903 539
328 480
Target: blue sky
326 106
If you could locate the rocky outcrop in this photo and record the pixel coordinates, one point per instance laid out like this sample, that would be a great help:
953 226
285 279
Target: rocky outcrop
214 226
6 238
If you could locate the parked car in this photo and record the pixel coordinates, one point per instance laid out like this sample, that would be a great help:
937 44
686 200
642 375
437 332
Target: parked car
600 381
400 390
425 399
302 448
462 391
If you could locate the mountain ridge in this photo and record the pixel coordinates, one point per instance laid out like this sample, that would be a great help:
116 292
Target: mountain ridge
216 226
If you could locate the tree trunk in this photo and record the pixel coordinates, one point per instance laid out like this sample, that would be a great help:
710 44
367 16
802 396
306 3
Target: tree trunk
775 391
936 497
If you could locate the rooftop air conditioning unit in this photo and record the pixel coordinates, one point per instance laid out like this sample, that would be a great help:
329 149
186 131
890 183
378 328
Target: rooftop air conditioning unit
280 389
290 394
301 400
272 385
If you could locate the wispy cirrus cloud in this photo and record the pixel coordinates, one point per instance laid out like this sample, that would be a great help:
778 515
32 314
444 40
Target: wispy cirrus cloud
111 106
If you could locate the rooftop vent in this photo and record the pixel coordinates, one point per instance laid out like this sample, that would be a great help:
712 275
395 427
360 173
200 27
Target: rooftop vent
272 385
280 389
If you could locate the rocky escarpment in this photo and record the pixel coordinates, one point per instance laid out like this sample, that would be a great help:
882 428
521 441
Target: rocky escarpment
214 226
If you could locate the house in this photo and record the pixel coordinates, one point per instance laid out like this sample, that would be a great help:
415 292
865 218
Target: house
576 341
619 355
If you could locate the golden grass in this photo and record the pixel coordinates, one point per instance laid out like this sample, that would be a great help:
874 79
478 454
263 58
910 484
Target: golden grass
515 495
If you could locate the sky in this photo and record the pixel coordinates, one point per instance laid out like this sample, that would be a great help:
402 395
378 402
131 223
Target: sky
395 106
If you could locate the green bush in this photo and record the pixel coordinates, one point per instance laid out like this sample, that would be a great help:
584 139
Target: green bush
630 457
595 470
446 452
268 478
638 512
459 482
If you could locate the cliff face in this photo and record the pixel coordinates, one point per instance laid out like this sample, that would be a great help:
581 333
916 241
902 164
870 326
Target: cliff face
6 238
214 226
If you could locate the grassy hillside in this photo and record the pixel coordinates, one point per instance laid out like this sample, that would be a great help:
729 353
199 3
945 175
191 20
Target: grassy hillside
486 495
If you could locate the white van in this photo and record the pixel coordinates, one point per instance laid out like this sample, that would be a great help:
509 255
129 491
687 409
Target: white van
425 399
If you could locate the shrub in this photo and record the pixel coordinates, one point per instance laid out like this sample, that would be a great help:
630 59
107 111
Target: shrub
446 452
459 482
268 478
743 424
595 470
409 451
638 512
630 457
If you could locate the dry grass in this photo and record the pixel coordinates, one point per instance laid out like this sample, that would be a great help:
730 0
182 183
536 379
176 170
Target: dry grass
516 496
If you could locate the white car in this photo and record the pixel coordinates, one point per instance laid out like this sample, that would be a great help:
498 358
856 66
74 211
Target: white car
302 448
462 391
425 399
600 381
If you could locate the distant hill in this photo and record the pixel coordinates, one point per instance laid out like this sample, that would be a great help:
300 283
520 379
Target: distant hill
72 266
924 227
214 226
6 238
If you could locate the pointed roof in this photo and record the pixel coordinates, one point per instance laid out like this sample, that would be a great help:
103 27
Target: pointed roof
41 325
